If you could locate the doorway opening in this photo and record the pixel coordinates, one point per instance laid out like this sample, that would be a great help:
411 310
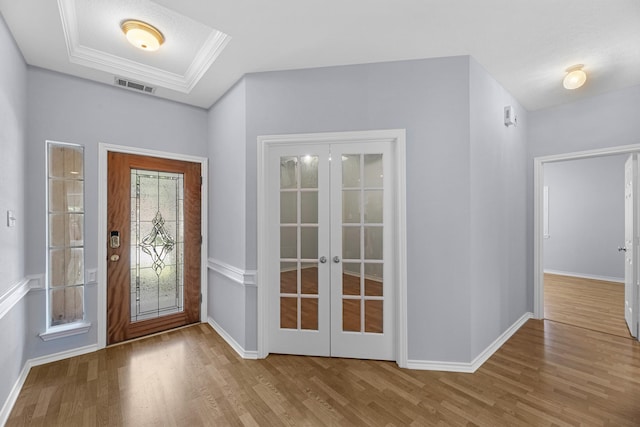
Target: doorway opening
593 291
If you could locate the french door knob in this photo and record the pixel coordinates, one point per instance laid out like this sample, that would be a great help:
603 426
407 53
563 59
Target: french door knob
336 259
621 249
323 259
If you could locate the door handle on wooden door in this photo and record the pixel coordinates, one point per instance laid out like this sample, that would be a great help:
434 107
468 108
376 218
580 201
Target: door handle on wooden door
622 249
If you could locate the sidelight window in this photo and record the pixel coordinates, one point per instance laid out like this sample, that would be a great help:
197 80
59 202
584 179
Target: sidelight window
65 234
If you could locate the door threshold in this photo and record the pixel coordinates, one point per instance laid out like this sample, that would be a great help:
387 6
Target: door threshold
154 334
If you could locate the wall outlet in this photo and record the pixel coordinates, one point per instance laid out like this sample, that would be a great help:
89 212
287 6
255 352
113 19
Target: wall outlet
92 275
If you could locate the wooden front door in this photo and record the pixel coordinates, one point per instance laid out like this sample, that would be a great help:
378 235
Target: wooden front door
153 245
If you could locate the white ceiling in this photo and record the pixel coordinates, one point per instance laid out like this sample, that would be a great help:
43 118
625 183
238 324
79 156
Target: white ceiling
524 45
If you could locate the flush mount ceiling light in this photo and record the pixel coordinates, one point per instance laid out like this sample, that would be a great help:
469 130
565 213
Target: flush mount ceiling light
142 35
575 77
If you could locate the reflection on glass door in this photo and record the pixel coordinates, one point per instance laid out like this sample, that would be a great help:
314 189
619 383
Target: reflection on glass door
362 298
299 242
156 244
330 256
362 248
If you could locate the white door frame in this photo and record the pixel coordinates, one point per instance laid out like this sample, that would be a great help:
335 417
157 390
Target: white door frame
397 137
538 218
103 150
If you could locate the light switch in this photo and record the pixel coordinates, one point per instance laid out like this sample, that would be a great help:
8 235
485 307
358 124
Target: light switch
11 219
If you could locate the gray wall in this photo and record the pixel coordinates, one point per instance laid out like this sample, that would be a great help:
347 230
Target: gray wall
428 98
498 244
441 103
586 217
68 109
13 118
227 190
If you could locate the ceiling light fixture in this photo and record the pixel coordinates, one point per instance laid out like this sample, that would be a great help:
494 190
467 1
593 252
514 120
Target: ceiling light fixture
142 35
575 77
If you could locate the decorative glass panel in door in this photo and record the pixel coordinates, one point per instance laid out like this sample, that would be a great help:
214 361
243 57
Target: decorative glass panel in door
157 263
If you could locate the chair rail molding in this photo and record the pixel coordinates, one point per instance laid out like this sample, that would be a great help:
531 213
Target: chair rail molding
18 290
238 275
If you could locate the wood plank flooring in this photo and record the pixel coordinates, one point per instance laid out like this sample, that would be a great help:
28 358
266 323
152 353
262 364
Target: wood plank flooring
546 374
591 304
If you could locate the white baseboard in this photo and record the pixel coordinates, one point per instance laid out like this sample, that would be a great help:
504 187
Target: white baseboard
245 354
17 387
13 396
586 276
62 355
471 367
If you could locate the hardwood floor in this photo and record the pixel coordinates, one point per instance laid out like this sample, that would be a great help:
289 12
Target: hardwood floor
591 304
546 374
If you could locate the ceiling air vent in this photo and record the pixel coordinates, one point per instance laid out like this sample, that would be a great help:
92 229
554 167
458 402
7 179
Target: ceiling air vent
130 84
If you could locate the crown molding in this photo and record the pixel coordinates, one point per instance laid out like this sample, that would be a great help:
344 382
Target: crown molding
113 64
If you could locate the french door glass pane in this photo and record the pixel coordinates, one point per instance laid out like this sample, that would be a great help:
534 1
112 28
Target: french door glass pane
373 170
350 170
373 242
157 230
309 310
373 316
288 172
362 206
309 207
309 278
351 315
309 171
299 242
288 313
288 242
309 242
373 280
373 206
351 206
288 277
351 242
350 278
288 207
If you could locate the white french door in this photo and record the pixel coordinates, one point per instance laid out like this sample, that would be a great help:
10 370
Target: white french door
330 259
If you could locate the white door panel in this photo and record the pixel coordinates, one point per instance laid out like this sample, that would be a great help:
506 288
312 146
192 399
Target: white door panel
299 234
631 230
361 238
